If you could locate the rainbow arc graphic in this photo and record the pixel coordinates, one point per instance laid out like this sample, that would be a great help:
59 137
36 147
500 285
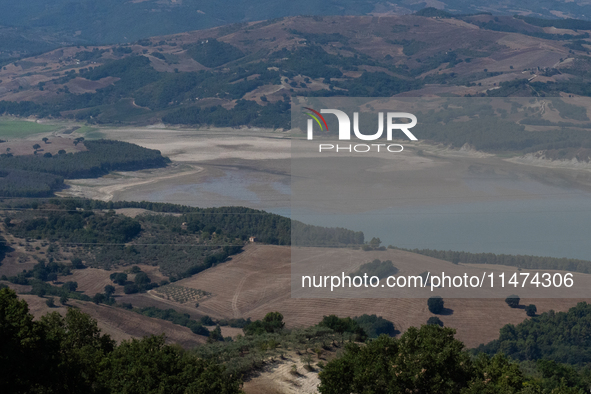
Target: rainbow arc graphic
316 115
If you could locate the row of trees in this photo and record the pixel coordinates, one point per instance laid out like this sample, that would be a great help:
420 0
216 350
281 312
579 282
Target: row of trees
19 183
41 175
519 261
77 227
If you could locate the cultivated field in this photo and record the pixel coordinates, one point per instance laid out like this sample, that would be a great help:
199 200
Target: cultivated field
12 128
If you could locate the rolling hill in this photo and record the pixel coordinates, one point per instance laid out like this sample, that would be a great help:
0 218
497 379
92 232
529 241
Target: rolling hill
112 21
244 74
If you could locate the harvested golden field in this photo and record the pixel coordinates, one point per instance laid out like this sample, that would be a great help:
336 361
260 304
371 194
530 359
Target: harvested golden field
90 280
258 281
120 324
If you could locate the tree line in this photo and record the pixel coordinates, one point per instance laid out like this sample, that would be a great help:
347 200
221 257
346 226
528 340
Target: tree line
101 157
563 337
430 360
40 175
519 261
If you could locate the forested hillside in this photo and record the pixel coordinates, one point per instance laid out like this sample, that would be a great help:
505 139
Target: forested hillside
562 337
181 243
69 353
246 75
40 175
110 21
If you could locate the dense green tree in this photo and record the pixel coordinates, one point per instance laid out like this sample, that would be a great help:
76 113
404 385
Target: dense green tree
148 366
119 277
78 347
130 288
135 269
50 302
381 269
497 375
374 325
22 360
173 316
512 301
109 290
98 298
343 325
425 360
77 263
435 304
215 335
531 310
68 354
142 279
70 286
272 322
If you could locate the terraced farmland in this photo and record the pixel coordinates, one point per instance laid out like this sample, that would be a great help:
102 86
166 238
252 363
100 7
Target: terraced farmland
180 294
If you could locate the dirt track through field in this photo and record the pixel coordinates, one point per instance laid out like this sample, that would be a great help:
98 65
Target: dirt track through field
236 295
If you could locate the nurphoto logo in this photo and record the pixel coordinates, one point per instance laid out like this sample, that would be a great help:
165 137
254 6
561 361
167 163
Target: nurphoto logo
345 130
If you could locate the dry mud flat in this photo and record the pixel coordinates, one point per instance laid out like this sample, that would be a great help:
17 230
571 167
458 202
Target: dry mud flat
253 168
197 145
105 188
220 159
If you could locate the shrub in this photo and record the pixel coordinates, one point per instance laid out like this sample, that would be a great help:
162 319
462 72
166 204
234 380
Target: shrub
374 325
70 286
98 298
531 310
130 288
119 277
77 263
435 304
109 290
272 322
142 279
135 269
512 301
434 320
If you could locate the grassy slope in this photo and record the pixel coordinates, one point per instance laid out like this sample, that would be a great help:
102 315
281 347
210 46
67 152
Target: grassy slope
10 128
